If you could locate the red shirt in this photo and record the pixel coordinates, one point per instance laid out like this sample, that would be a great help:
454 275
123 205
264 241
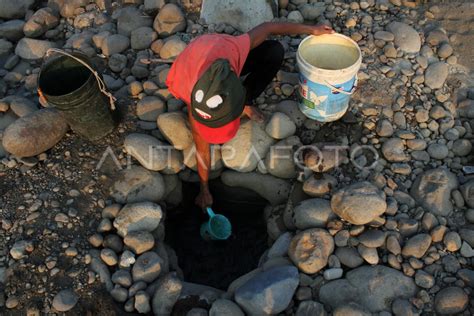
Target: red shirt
199 55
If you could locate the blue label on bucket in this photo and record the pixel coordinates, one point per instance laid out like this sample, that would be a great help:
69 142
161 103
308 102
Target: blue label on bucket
323 103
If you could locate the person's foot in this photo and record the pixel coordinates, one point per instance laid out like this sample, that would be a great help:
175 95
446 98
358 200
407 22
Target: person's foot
254 114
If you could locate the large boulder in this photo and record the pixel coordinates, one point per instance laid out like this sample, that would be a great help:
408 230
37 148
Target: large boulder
43 20
153 154
33 49
169 20
34 133
137 184
131 18
242 15
372 287
313 213
310 250
359 203
274 190
175 127
279 161
436 75
11 9
406 37
247 148
268 292
432 190
138 217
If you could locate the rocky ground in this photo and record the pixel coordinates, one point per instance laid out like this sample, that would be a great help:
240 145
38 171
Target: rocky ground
388 228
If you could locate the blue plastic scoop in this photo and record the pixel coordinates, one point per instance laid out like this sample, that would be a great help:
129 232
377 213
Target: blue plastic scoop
218 227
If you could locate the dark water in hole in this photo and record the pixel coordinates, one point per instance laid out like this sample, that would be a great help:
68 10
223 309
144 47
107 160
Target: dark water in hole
218 263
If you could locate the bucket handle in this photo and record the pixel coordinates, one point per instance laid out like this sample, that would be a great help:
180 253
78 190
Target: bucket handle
101 83
210 212
354 87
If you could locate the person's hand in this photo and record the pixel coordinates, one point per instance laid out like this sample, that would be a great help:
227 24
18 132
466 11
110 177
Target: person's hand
321 29
204 199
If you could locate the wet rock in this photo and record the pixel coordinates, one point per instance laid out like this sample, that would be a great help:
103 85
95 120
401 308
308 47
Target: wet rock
114 44
268 292
394 150
138 184
43 20
144 216
175 128
152 153
359 203
417 246
169 20
129 19
432 190
248 16
406 37
310 250
14 9
12 30
436 75
33 49
167 293
139 241
147 267
451 300
313 213
142 38
34 133
274 190
225 307
65 300
280 126
319 186
374 288
247 148
172 48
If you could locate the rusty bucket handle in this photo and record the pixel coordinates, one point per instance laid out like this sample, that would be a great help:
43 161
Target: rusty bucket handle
100 81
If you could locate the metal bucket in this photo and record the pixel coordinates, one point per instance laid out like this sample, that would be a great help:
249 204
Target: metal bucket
69 83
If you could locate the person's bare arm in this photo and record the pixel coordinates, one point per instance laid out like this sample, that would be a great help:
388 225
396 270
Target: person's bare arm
203 159
261 32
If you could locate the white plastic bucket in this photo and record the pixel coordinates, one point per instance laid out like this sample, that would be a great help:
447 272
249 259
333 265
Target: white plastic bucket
328 67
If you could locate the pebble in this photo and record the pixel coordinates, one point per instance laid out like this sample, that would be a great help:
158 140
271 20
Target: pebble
147 267
139 242
438 151
310 250
450 300
417 246
65 300
11 302
332 274
142 302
